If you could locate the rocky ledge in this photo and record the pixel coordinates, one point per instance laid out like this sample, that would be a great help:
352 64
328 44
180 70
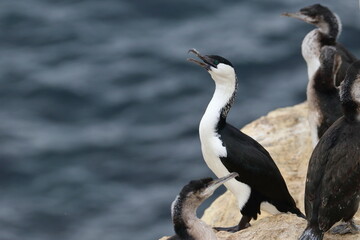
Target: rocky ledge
285 134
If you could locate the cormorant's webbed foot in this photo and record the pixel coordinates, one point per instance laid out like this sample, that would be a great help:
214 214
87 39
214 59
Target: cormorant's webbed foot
244 223
345 228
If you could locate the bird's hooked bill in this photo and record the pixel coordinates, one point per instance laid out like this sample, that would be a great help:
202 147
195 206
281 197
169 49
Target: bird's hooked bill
217 182
293 15
298 15
207 64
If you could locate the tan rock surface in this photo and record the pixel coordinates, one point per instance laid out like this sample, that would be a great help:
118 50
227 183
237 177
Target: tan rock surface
285 134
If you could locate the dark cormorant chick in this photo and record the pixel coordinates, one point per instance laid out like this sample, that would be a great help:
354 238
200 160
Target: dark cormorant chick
183 210
327 62
225 149
332 190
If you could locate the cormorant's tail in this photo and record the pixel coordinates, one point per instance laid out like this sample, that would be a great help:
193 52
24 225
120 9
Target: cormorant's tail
301 215
298 213
312 233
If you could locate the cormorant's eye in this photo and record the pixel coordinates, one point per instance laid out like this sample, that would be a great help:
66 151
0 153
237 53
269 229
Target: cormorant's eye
308 13
216 62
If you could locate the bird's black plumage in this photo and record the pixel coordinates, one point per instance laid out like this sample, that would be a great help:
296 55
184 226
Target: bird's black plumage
332 191
347 58
257 169
334 175
218 59
326 94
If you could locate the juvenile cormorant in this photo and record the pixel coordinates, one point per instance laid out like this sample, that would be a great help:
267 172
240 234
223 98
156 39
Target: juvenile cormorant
332 191
327 62
183 210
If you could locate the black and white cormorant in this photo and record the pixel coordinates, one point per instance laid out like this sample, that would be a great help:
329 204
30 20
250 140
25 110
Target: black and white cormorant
225 149
183 210
332 191
327 62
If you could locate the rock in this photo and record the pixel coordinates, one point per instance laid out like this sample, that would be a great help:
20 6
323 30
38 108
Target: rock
278 227
285 134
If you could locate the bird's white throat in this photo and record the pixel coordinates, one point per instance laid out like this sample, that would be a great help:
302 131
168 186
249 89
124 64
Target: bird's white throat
310 50
211 145
208 124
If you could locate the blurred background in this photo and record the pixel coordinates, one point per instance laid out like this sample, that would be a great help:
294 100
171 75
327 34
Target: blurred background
99 109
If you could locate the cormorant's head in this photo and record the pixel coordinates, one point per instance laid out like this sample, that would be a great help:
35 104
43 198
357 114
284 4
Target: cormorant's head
320 16
197 191
220 69
350 92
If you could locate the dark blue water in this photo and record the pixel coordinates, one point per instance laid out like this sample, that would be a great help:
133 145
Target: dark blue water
100 110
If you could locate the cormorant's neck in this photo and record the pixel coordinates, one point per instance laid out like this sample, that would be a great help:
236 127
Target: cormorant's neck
325 78
350 99
186 223
330 28
351 111
179 221
219 106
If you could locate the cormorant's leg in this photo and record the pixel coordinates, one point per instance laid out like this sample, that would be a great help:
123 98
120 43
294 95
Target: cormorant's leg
347 227
244 223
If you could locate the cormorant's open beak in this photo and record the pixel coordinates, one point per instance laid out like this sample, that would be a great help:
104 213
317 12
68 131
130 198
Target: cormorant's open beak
298 15
213 185
207 63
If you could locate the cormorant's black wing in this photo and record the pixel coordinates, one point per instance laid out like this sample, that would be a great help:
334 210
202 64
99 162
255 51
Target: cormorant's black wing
254 164
330 64
347 59
334 175
315 174
347 56
327 94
